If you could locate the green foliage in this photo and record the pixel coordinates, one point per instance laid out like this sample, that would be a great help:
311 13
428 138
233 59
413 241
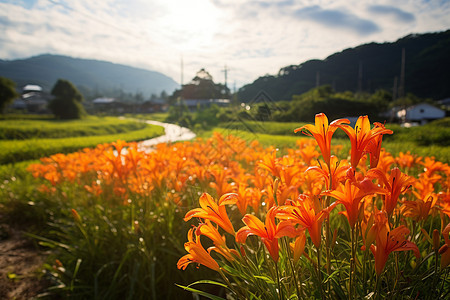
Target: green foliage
427 135
445 122
335 105
201 119
67 102
7 92
179 114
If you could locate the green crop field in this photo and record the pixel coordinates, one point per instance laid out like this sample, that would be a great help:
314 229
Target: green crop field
26 139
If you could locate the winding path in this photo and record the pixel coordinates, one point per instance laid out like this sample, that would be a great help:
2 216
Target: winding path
173 133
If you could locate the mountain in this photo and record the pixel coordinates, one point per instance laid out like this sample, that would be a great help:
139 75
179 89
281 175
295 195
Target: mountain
368 68
98 76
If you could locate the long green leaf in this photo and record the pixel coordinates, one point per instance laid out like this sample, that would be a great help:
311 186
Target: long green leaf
209 282
201 293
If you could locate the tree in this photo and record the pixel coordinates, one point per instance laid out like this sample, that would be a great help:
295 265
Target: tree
7 92
66 103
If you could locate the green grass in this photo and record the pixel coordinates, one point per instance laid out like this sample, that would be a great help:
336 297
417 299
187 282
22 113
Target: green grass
275 128
19 129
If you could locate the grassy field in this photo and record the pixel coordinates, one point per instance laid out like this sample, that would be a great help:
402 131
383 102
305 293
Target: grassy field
28 139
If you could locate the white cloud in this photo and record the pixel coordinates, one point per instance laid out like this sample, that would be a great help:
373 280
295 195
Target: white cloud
252 37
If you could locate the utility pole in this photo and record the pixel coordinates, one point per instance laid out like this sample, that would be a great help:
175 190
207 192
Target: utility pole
225 71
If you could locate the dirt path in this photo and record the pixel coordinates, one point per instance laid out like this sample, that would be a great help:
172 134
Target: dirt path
173 133
20 266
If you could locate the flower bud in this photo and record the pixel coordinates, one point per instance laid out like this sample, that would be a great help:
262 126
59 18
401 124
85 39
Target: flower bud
243 251
436 240
443 249
75 216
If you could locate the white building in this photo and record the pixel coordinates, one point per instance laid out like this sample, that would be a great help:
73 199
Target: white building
421 113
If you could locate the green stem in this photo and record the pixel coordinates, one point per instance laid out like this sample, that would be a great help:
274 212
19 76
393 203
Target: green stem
319 273
328 230
443 281
228 283
352 264
286 245
280 292
377 287
364 271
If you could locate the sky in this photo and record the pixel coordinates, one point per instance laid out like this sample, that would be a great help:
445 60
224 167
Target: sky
247 38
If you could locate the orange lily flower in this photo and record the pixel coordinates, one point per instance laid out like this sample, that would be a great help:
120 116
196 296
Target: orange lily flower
397 184
419 209
268 232
350 195
197 254
323 133
306 213
298 247
378 222
270 163
407 160
216 212
390 241
338 172
360 137
242 193
432 166
308 152
282 191
221 178
385 161
374 146
220 246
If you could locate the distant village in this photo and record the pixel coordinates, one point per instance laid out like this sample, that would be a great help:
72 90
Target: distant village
201 92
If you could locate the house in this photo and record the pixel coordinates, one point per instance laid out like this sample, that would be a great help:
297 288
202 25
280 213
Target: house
421 113
29 88
33 100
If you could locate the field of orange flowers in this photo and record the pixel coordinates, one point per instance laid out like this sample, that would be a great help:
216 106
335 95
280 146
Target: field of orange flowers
225 218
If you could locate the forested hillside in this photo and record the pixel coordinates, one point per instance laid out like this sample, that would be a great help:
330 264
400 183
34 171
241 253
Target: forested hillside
368 68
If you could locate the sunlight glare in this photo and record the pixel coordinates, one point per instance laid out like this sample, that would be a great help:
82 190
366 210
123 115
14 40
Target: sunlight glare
196 20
